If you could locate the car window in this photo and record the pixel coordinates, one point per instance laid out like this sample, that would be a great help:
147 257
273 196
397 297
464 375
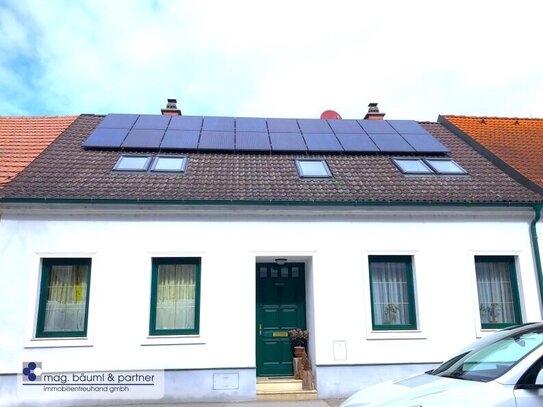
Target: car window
493 360
533 376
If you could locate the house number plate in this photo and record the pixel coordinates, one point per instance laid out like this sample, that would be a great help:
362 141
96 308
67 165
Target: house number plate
281 334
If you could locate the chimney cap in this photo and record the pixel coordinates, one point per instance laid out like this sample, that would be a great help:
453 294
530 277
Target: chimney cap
373 112
171 108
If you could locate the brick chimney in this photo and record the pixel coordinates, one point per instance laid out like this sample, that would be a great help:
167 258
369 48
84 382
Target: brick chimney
373 113
171 108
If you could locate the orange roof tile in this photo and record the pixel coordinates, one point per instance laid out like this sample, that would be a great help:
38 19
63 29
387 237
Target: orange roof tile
517 142
22 139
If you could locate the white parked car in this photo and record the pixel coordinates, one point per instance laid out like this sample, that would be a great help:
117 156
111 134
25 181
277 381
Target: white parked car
504 369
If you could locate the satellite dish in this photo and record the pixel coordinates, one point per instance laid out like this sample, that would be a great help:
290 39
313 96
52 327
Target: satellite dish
330 114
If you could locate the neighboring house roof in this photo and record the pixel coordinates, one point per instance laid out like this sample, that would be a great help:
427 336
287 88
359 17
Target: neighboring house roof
22 139
67 171
516 145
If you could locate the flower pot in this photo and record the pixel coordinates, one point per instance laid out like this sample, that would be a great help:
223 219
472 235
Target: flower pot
299 351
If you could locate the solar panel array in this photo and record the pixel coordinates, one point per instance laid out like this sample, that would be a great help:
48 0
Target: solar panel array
211 133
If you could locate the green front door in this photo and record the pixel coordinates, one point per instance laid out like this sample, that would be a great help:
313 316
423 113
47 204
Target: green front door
280 306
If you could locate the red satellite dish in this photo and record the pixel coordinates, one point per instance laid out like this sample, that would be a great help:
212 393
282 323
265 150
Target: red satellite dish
330 114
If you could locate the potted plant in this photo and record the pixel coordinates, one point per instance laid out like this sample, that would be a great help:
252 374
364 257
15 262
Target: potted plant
298 339
391 313
492 311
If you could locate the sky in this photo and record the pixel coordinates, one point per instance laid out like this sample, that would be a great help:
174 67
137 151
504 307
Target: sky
417 59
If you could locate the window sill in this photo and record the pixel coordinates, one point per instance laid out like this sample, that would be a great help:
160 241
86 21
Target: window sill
58 342
173 340
395 335
482 332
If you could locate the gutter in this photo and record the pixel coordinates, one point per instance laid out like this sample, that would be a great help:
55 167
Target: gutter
535 248
228 202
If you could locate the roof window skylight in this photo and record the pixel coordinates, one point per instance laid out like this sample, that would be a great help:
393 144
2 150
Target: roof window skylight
412 166
157 164
169 164
445 166
439 166
132 163
308 168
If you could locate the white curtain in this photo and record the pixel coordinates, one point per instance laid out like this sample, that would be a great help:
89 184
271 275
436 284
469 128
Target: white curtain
495 292
176 296
390 293
66 299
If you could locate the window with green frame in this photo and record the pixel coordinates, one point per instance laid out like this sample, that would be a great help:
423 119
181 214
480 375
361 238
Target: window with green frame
497 288
175 296
64 298
392 293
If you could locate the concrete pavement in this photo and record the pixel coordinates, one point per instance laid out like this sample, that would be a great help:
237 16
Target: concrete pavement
306 403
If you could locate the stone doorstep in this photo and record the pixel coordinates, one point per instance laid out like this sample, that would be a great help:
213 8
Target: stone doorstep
293 395
287 389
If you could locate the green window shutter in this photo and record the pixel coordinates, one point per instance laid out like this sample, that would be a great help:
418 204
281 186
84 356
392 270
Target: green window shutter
392 293
175 296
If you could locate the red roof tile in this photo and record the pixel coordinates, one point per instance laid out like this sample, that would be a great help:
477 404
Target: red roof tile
22 139
517 142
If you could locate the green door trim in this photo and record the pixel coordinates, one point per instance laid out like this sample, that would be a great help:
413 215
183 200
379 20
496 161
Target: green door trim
280 306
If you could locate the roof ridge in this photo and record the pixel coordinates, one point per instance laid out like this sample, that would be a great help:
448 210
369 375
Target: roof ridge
40 117
491 117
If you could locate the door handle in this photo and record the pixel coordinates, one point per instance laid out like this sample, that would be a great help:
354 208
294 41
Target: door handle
260 329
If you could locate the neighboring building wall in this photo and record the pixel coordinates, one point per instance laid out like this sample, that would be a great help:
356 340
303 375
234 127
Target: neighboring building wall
348 355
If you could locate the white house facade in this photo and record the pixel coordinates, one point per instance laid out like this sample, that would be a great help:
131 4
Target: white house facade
204 289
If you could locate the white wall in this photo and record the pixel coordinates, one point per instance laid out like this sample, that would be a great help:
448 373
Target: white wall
335 248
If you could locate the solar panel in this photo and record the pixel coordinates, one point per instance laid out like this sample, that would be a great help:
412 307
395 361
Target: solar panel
407 126
213 123
376 126
106 138
314 126
425 143
354 143
345 126
143 139
185 123
391 143
216 140
119 121
252 141
283 126
287 142
251 124
251 134
152 121
322 142
180 140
